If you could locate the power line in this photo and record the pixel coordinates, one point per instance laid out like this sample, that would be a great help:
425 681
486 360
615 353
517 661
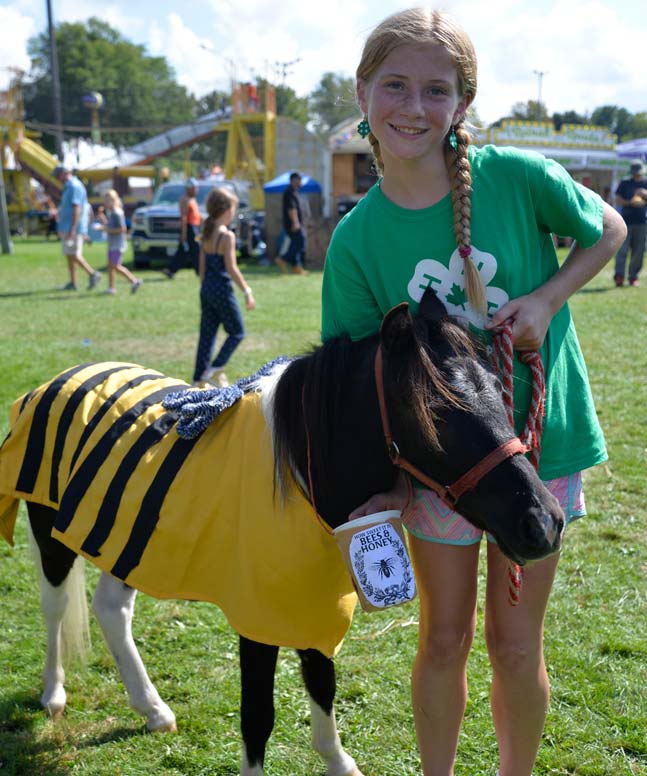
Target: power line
283 68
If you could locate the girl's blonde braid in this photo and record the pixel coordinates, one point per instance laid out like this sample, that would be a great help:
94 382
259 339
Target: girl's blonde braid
377 153
460 174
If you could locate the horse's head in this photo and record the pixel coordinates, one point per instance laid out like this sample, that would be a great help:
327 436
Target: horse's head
447 414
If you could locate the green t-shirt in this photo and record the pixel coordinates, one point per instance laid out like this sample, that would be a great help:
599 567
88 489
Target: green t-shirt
381 254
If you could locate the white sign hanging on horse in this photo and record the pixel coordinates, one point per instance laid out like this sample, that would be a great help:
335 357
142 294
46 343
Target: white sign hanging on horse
377 558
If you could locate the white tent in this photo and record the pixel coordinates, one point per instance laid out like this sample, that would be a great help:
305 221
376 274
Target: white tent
635 149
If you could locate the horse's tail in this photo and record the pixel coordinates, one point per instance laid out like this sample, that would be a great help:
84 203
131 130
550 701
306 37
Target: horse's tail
75 629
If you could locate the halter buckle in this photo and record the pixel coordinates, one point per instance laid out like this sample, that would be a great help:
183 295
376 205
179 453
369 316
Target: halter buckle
394 450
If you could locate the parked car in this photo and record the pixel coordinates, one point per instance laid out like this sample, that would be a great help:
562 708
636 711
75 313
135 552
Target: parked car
156 227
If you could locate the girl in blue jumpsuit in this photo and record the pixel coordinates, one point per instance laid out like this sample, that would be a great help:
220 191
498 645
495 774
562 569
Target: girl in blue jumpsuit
218 272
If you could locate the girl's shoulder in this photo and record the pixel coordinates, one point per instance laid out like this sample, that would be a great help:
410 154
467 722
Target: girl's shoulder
219 239
507 157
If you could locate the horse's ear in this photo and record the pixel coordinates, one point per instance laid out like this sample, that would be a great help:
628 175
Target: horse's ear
397 328
431 308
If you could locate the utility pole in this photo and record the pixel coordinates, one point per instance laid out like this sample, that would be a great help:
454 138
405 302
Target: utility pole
540 75
56 83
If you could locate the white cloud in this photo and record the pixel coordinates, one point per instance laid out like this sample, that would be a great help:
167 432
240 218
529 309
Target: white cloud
589 49
16 28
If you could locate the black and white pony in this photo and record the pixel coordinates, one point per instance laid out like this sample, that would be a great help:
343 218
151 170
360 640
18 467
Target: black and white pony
418 394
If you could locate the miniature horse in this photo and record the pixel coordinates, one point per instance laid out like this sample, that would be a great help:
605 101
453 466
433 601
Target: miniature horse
327 413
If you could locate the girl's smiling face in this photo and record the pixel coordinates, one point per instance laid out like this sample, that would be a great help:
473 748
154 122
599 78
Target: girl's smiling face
412 100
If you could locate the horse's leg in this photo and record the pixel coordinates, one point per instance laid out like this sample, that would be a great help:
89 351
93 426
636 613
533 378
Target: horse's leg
257 667
319 677
114 604
56 562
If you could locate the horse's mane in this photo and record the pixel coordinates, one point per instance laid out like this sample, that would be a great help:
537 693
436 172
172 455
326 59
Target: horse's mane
309 394
426 378
313 387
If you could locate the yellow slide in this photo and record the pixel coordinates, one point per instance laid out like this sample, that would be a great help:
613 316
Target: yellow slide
38 161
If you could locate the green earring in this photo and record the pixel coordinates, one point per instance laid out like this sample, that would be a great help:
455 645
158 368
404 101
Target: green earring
452 139
363 127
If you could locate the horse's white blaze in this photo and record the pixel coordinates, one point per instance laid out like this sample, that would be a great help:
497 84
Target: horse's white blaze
325 741
114 604
266 387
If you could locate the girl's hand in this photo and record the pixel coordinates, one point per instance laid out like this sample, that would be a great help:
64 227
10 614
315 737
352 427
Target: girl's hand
250 303
396 498
529 317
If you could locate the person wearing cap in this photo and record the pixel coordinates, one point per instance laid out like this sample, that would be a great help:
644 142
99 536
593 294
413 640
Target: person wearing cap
631 197
293 255
73 226
190 220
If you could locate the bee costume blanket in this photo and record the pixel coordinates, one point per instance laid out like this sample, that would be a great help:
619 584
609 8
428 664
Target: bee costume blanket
193 519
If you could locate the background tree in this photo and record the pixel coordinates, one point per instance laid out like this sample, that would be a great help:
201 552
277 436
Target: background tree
289 104
568 117
529 111
639 125
332 102
139 91
619 120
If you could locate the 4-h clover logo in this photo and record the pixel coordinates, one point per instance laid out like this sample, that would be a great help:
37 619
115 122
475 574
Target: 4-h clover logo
449 285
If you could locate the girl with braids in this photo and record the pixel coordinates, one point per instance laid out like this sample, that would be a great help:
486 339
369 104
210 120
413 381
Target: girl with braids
475 224
217 267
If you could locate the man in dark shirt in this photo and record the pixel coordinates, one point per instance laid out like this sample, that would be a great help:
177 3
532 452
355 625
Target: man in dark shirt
631 198
293 258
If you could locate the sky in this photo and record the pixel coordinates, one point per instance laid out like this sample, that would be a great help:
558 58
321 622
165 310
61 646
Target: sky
575 54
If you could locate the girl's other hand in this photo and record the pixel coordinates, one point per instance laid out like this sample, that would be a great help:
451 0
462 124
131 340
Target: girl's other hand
528 316
396 498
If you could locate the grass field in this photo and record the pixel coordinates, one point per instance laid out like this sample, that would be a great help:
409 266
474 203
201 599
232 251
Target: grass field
596 631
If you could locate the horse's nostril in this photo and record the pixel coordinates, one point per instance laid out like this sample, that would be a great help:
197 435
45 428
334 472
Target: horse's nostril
553 527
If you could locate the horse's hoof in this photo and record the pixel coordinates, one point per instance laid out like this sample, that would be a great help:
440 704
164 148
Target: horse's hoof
162 726
54 703
165 727
54 711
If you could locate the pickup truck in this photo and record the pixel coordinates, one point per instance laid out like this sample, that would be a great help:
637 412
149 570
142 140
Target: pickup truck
156 227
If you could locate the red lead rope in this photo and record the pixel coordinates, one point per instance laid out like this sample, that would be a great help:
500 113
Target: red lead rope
531 435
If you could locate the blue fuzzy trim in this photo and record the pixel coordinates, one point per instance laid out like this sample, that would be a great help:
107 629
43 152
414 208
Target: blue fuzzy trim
197 409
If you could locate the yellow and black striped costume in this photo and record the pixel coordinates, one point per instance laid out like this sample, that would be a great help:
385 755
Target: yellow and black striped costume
175 518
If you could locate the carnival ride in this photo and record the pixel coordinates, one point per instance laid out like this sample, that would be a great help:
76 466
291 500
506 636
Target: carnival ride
258 146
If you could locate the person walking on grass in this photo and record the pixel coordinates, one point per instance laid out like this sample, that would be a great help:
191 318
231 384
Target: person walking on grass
113 222
218 271
631 196
73 226
190 220
475 224
292 253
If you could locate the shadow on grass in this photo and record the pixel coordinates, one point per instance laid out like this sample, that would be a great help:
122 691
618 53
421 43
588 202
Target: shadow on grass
59 295
28 750
587 290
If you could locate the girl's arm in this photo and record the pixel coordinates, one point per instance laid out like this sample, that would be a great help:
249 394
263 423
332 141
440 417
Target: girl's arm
184 206
201 263
231 265
531 314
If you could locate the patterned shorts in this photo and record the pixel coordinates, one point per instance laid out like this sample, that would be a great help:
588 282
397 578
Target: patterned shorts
434 521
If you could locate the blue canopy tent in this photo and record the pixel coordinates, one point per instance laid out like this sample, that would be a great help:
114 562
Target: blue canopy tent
280 183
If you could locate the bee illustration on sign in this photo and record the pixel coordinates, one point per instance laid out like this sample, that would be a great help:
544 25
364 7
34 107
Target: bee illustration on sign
384 567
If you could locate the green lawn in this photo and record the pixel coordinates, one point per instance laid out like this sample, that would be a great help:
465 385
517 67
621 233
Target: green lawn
596 635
